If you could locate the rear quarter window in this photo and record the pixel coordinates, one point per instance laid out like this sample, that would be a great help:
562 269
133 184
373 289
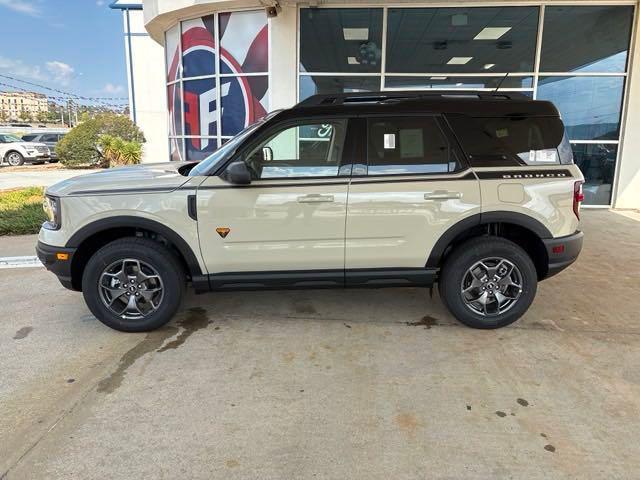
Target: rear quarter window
29 138
511 141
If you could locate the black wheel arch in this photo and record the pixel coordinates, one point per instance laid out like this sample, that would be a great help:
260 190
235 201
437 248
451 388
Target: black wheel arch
95 235
527 231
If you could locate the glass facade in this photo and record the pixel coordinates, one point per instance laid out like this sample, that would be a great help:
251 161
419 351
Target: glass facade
217 80
575 56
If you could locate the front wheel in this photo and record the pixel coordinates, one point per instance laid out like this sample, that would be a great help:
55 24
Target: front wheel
15 159
488 282
133 284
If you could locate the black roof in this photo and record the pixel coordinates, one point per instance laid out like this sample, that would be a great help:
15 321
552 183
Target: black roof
463 102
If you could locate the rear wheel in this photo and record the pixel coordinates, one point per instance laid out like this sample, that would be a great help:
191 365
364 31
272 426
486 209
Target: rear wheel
15 159
133 284
488 282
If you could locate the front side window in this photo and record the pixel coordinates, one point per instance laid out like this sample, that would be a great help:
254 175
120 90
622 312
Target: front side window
307 150
404 146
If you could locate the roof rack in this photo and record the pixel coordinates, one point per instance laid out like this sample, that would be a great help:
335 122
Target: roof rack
333 99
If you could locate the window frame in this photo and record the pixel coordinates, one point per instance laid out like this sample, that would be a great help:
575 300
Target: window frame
445 130
263 134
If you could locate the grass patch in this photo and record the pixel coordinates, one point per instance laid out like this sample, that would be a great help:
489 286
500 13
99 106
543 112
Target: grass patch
21 211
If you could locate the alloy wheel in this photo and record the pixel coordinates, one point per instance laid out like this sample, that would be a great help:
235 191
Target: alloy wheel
491 286
14 159
131 289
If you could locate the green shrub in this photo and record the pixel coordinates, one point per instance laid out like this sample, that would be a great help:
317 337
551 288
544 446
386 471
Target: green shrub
21 211
78 148
117 152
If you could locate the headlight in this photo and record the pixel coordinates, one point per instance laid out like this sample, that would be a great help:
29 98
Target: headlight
51 207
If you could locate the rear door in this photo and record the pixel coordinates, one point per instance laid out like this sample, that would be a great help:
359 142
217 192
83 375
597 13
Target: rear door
412 187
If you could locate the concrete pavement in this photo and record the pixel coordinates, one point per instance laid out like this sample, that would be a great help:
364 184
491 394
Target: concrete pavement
330 384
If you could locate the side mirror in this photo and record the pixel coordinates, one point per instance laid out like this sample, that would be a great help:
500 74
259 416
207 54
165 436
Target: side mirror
238 173
267 154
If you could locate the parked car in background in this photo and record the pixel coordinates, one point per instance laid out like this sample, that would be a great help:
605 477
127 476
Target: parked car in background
50 139
15 151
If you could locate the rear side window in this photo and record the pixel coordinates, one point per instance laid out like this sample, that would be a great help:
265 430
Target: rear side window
49 138
408 145
508 141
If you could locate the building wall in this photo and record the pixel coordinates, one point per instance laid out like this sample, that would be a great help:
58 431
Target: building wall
288 83
12 104
147 97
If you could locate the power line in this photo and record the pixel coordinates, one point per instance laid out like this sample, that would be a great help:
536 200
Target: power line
66 94
66 98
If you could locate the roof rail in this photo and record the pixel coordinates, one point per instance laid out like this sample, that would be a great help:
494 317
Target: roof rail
399 96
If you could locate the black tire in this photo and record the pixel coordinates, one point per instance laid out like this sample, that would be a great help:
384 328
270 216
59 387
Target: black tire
15 159
464 257
154 255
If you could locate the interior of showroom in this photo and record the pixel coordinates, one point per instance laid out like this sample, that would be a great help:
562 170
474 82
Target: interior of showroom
221 68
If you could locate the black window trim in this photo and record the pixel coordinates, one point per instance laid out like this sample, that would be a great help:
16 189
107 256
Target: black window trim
446 131
262 133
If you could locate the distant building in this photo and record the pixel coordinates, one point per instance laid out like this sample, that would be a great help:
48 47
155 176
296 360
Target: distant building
13 104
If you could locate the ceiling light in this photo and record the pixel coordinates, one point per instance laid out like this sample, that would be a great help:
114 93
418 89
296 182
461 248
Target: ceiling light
459 20
491 33
459 84
488 66
353 61
355 33
459 60
437 78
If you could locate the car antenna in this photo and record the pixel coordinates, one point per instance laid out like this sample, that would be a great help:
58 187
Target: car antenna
500 82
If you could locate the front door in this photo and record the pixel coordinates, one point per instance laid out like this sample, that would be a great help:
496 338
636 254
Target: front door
412 189
291 217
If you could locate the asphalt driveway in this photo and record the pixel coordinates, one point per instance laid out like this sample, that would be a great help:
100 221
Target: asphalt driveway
330 384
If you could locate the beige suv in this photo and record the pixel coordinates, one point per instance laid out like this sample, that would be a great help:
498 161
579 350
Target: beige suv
475 192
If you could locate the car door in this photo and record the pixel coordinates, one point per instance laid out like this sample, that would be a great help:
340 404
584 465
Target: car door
412 188
291 217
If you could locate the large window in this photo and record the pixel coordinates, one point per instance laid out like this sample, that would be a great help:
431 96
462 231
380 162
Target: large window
575 56
217 80
306 150
405 146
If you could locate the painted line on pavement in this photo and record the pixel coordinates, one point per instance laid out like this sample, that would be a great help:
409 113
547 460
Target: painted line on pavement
20 262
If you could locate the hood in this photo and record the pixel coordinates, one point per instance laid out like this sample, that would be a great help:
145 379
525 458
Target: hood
135 179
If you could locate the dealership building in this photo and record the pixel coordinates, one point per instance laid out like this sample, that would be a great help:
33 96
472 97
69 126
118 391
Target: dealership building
200 71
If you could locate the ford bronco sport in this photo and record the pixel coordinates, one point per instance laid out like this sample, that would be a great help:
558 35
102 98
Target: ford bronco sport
475 192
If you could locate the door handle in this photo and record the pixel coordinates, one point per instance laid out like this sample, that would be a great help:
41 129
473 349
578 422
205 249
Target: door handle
442 195
315 198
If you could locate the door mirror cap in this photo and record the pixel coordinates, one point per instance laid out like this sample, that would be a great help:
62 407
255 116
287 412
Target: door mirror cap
237 173
267 154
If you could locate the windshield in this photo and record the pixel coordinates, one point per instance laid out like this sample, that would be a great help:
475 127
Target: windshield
220 155
10 138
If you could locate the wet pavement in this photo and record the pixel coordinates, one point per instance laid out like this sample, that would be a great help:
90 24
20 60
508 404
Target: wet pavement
330 384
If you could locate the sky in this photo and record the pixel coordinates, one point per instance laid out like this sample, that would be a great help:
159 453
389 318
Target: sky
71 45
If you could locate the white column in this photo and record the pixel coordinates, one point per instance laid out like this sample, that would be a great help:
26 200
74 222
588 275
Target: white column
283 58
628 189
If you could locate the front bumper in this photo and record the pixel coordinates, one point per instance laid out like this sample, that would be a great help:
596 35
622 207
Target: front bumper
40 157
562 251
51 258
